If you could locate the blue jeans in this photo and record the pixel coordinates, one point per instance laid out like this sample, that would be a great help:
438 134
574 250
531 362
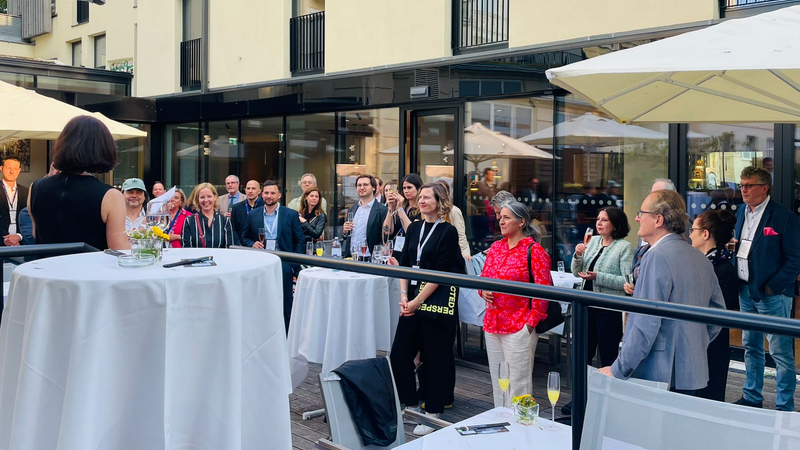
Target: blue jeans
780 347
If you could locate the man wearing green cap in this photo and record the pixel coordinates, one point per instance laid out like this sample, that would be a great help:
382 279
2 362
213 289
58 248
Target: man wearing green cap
134 192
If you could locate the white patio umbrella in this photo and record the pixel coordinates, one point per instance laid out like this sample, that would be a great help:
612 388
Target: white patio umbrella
28 115
741 70
590 130
483 144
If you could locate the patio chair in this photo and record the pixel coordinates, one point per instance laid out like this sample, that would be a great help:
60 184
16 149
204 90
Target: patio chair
619 412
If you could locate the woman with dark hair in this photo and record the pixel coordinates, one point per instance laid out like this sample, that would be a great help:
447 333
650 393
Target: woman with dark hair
603 264
429 316
709 234
208 228
73 204
312 219
403 210
510 320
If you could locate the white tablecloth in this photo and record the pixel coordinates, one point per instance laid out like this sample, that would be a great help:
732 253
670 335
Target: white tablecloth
94 356
339 316
518 437
567 281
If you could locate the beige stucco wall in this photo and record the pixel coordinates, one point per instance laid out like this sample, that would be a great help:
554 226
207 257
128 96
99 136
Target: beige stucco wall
541 21
248 41
14 49
368 33
158 47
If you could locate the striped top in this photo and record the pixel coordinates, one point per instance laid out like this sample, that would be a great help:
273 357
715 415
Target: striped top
218 235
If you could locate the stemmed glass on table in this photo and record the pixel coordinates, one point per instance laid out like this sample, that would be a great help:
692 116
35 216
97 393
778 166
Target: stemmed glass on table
503 381
553 391
561 270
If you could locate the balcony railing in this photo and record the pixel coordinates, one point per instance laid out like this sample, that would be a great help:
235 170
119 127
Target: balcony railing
479 24
191 64
307 43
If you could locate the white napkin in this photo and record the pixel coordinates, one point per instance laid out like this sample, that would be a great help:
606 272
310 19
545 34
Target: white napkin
158 205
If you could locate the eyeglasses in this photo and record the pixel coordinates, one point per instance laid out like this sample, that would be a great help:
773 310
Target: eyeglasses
749 186
640 212
692 230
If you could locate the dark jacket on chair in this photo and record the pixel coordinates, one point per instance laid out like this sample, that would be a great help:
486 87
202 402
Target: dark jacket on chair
369 392
290 235
774 260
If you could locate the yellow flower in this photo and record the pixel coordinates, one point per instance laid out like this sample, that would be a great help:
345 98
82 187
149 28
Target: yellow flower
158 233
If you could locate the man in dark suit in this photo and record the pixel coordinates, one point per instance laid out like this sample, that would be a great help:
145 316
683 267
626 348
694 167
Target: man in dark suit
368 216
241 210
282 231
14 198
768 262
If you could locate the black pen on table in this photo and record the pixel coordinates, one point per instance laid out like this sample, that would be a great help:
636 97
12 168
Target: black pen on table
186 262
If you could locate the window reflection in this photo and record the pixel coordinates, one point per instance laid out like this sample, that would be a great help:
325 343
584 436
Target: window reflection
130 156
183 151
261 149
223 152
717 155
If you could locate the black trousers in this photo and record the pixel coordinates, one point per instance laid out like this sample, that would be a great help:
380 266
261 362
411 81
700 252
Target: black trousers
288 294
435 339
605 334
719 357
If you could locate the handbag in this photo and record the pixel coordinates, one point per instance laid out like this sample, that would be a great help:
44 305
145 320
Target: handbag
554 316
440 304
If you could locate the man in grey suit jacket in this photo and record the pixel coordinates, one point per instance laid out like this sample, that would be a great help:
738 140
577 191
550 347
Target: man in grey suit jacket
233 196
657 349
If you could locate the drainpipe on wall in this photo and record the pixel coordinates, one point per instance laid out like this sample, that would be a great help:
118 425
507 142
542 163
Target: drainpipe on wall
204 56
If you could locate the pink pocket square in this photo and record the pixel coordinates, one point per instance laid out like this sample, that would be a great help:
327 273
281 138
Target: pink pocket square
768 231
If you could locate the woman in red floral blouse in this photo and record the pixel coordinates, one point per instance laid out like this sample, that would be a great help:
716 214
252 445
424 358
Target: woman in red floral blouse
510 320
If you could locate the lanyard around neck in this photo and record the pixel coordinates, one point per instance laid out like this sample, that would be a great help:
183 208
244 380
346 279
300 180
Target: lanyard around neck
422 243
11 201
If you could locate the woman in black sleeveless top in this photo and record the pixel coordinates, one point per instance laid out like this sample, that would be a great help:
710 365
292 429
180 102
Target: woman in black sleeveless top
73 205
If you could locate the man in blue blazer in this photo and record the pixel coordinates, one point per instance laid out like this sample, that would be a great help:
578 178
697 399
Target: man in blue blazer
241 210
671 351
768 262
281 228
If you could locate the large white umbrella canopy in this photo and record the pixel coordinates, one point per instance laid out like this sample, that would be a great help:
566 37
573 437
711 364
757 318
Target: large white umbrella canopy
482 142
589 130
741 70
28 115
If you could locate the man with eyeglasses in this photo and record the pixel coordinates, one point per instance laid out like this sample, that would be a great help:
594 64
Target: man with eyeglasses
656 349
767 240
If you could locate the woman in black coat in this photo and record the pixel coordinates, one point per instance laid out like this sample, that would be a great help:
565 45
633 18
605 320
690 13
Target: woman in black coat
312 218
709 233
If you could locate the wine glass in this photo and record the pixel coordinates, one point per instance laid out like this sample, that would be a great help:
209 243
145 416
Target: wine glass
310 248
561 269
588 236
553 391
377 254
387 252
364 248
262 237
319 248
630 279
503 372
354 252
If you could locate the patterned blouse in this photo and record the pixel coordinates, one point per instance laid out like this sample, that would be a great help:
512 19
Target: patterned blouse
176 227
509 313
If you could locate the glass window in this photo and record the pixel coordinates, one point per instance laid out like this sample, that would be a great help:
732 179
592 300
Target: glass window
223 152
310 148
77 53
371 147
17 79
303 7
717 155
616 167
435 145
496 158
92 87
192 20
183 150
261 149
130 156
796 184
100 52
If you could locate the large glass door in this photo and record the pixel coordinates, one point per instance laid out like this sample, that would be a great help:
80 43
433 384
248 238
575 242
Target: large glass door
434 145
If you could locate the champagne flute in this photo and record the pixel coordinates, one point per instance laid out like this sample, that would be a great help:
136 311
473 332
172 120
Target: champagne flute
588 236
503 371
350 218
319 248
364 249
553 391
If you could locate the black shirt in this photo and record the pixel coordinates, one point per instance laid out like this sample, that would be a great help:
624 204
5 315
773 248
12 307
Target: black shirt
441 252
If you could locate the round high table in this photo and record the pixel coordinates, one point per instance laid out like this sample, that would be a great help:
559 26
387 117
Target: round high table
339 316
95 356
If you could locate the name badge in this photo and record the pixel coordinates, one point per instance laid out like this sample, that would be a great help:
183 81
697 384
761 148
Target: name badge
270 245
414 282
399 242
744 248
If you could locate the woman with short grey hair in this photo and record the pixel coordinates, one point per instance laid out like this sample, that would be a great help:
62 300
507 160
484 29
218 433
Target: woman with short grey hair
510 320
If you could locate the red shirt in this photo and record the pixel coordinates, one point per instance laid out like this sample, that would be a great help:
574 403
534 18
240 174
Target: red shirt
509 313
177 228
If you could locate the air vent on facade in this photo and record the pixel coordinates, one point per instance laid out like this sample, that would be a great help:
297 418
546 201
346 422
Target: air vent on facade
430 78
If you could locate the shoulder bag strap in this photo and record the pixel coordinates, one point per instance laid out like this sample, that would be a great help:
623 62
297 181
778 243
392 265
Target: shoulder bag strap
531 279
200 230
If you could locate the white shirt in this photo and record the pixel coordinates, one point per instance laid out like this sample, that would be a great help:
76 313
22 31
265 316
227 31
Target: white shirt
360 224
749 229
12 198
136 223
656 242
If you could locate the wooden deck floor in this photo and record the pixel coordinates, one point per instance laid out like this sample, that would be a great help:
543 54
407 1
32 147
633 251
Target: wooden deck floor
473 394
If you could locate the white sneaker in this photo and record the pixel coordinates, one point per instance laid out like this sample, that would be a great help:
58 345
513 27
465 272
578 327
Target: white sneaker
422 430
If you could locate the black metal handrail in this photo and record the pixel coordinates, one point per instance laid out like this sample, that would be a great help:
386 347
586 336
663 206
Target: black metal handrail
191 64
580 300
479 23
307 43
